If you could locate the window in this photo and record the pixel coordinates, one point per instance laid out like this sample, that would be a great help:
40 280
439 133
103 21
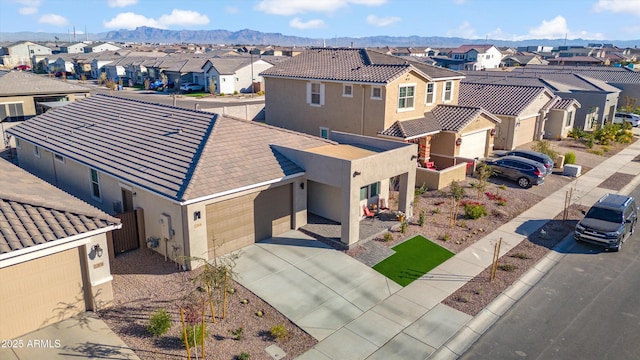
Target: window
95 185
375 189
370 190
405 97
569 118
315 94
376 93
324 132
36 151
347 90
364 193
58 158
10 112
431 93
447 94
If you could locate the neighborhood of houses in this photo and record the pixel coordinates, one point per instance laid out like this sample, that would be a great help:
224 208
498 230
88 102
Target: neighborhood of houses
86 176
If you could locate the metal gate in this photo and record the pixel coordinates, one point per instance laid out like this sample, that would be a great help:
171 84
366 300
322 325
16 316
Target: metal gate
126 238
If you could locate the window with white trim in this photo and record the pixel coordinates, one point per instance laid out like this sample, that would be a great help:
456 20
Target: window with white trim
58 158
95 185
430 96
569 118
447 94
347 90
364 193
376 92
406 96
36 151
324 132
315 94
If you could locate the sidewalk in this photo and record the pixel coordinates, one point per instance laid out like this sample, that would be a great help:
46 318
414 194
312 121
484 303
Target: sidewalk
413 324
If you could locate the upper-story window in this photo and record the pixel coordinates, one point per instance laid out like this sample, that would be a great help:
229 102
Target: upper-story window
447 94
376 93
430 97
315 94
95 185
58 158
347 90
406 97
324 132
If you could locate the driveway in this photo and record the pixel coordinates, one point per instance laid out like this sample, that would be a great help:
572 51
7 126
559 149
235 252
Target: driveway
318 288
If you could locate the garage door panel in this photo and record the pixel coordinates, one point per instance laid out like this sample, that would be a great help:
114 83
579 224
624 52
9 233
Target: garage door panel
42 291
473 145
525 131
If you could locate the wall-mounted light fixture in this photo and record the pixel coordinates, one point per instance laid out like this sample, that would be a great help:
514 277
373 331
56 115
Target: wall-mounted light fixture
301 186
413 157
134 194
97 250
196 215
356 173
458 141
493 132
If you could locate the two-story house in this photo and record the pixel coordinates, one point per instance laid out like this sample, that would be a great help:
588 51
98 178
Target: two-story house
366 92
477 57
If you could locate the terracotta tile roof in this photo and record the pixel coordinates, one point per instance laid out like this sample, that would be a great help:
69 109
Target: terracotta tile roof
455 118
353 65
25 83
555 81
564 104
409 129
604 73
179 153
33 212
498 99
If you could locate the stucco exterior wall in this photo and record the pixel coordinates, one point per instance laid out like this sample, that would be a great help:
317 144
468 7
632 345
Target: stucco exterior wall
324 200
434 179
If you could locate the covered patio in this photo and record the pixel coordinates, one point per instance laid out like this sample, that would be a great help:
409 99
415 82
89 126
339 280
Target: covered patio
329 231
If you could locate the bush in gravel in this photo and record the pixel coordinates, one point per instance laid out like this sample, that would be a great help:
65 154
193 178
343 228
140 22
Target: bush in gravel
404 225
422 218
278 331
520 255
543 146
445 237
243 356
159 323
570 158
474 211
387 236
507 267
198 335
237 333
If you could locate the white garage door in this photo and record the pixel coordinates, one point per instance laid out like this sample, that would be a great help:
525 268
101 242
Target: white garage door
40 292
473 145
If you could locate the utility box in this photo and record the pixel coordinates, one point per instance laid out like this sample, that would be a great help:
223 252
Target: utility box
572 170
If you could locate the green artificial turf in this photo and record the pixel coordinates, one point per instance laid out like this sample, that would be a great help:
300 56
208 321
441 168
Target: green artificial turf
413 258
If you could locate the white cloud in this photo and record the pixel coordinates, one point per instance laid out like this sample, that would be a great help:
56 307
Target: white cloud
311 24
459 2
557 28
231 10
130 20
465 30
30 6
28 10
616 6
382 21
292 7
53 19
183 17
122 3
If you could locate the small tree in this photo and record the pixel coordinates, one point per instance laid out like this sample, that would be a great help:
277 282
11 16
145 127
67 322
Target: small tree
456 193
102 78
483 173
543 146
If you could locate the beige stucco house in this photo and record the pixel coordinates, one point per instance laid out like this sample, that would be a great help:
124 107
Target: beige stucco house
561 118
54 259
206 184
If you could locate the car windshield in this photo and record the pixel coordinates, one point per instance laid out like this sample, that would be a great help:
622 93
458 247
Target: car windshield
604 214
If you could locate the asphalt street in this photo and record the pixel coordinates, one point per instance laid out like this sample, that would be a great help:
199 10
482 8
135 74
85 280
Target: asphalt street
587 307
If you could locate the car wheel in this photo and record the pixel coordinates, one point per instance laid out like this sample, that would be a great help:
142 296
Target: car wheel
524 183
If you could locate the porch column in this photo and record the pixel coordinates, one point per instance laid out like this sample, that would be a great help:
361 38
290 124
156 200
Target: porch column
406 194
350 218
299 204
424 149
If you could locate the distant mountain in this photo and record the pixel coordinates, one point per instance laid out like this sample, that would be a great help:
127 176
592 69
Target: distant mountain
252 37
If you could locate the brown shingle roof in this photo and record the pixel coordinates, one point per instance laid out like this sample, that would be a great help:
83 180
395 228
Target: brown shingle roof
33 212
353 65
179 153
498 99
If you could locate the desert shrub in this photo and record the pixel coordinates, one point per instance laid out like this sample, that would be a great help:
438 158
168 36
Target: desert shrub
520 255
501 202
589 141
235 92
595 152
576 133
387 236
110 84
507 267
422 218
159 323
474 211
570 158
403 226
198 334
625 134
462 299
278 331
544 147
607 134
445 237
102 78
221 94
243 356
420 190
435 211
237 333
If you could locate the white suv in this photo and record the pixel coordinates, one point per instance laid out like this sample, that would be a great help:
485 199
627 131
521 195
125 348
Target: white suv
621 118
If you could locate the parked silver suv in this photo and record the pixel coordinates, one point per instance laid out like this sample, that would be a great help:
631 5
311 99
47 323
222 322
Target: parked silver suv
609 221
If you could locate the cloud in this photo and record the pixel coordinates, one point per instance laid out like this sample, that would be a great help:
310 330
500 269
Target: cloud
130 20
292 7
183 17
30 6
122 3
311 24
465 30
231 10
618 6
459 2
557 28
53 19
382 21
28 10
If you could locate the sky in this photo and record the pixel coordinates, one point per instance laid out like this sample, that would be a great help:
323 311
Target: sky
326 19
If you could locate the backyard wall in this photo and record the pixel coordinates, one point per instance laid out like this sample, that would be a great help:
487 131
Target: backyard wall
439 179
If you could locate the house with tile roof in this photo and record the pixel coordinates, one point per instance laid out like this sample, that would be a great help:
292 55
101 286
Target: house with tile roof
477 57
362 91
209 184
100 47
54 259
521 109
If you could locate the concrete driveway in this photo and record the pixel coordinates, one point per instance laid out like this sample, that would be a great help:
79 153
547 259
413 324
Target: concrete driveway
318 288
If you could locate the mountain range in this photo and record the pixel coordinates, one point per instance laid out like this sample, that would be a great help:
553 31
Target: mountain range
146 34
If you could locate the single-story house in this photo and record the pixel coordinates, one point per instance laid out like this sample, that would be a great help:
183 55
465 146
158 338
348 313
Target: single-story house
234 74
54 258
208 184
